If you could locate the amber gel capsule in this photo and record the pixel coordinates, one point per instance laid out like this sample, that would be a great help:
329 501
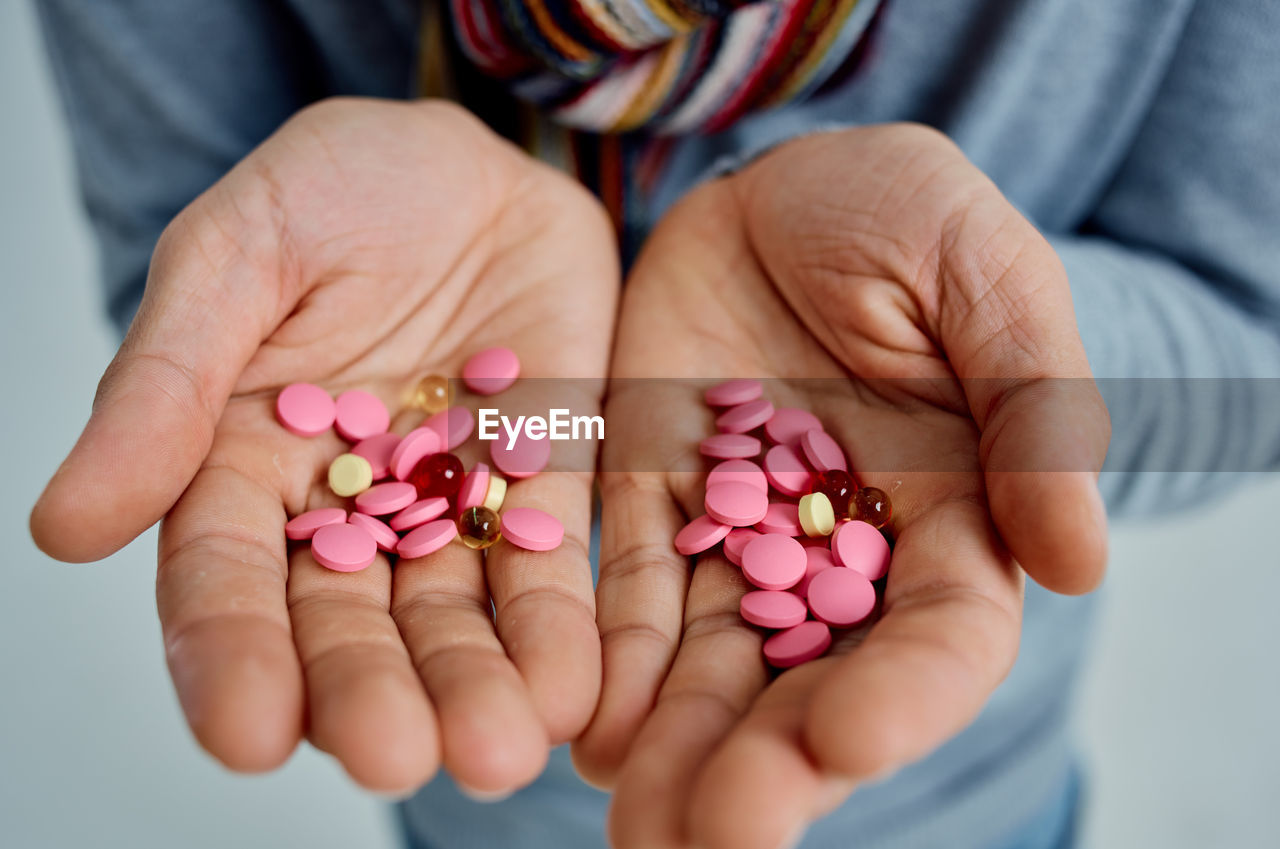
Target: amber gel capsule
871 505
432 394
479 527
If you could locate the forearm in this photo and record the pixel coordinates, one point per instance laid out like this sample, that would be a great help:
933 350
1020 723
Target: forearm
1189 374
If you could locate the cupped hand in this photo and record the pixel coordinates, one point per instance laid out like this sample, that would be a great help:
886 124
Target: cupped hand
364 245
941 326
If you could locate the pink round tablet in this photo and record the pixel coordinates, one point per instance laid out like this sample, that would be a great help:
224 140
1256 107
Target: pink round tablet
794 646
733 392
736 541
727 446
474 488
700 534
774 562
383 498
822 451
377 450
817 559
788 424
786 471
525 458
419 513
736 503
382 534
305 525
743 471
745 417
491 371
360 415
531 529
453 425
427 539
781 518
773 609
862 548
305 409
841 597
418 443
343 548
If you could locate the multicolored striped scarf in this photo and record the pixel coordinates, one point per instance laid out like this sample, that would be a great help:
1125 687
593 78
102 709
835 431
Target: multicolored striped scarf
629 74
669 67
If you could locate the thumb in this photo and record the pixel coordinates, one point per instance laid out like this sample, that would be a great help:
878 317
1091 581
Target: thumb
212 294
1005 318
903 201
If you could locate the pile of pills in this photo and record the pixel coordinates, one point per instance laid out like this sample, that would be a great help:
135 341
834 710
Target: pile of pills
412 495
797 524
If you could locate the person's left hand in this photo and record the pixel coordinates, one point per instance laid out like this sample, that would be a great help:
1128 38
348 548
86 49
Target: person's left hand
884 262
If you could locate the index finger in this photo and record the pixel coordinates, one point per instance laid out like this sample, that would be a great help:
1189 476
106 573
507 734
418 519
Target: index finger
643 580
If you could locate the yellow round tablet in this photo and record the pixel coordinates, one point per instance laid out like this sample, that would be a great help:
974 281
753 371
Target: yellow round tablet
817 517
350 474
496 493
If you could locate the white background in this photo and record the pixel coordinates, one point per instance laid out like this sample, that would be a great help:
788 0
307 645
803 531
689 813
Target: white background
1178 718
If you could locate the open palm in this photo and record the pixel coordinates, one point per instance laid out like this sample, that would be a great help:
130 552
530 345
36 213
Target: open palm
364 245
934 332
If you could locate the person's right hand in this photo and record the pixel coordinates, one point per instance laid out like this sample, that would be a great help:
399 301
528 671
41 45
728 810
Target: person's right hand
363 245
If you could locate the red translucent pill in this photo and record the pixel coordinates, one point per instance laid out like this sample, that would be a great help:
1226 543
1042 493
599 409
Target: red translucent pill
838 487
439 475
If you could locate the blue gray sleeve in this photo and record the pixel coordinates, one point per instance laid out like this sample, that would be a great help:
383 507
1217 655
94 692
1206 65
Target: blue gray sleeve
164 97
1176 277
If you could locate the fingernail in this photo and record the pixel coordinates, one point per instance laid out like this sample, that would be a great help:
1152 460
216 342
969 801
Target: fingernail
485 796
